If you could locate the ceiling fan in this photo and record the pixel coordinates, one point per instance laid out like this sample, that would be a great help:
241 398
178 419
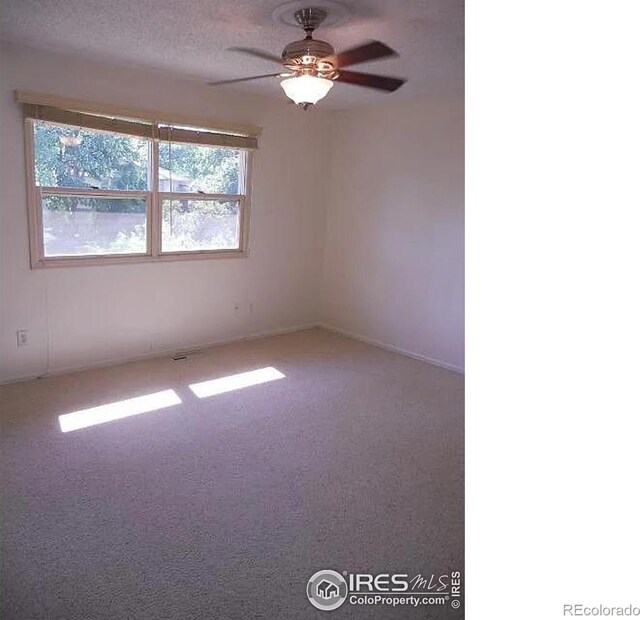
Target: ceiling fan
312 66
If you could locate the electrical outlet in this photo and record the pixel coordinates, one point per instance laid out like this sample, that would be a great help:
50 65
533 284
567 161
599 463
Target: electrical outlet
22 336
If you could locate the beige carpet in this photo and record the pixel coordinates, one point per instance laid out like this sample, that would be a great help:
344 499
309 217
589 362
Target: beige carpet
223 507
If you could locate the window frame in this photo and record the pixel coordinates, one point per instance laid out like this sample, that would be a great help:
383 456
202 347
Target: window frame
153 197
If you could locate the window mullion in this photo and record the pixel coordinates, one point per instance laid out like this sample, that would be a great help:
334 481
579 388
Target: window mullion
155 203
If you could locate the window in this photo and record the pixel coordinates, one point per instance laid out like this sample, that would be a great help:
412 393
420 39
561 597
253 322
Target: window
92 191
109 189
200 189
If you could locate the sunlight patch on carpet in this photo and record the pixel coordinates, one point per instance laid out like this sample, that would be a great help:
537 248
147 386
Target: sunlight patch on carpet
118 410
235 382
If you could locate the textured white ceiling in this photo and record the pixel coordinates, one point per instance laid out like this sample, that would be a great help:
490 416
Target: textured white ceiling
192 36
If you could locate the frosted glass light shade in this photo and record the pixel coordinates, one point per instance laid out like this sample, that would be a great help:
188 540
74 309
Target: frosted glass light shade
306 88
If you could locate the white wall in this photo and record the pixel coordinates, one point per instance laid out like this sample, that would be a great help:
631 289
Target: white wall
87 315
394 248
357 223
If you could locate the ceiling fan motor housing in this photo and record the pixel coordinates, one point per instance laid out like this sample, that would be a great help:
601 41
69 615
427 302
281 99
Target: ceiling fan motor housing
306 57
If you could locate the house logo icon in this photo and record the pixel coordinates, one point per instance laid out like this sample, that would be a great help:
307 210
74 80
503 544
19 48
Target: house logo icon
327 590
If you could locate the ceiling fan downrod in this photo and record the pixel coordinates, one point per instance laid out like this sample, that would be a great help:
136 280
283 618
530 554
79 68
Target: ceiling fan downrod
309 19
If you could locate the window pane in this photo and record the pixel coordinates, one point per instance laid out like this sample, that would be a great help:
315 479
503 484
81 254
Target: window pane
189 225
72 157
194 168
77 226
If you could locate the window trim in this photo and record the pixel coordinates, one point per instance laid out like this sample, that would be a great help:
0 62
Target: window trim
153 197
150 116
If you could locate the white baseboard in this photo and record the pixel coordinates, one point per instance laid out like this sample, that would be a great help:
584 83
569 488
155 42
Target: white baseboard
390 347
187 349
253 336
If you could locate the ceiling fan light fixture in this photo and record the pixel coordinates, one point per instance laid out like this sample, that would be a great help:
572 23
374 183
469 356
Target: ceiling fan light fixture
306 89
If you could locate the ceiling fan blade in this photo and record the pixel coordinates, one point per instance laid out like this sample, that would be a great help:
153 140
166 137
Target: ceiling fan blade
257 53
374 50
255 77
369 80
